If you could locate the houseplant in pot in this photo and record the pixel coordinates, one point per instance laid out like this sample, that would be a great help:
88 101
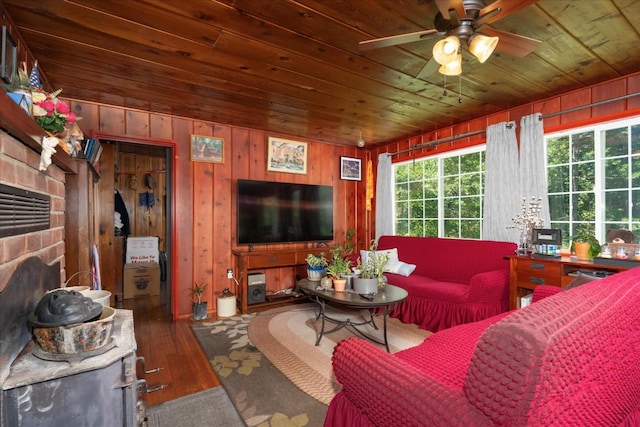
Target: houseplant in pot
585 245
199 306
316 266
337 267
371 273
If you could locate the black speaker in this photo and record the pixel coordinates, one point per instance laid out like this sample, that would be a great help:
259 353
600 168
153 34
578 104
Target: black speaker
256 293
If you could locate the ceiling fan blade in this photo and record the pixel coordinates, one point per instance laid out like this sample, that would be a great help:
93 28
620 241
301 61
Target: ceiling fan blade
396 40
444 6
507 7
429 68
512 44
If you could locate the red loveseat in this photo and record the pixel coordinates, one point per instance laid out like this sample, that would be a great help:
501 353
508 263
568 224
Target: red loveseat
570 359
456 281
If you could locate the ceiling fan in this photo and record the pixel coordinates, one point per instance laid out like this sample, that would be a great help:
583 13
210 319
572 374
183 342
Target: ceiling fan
460 21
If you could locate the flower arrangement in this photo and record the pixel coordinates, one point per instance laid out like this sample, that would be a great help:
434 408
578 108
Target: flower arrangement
51 113
526 221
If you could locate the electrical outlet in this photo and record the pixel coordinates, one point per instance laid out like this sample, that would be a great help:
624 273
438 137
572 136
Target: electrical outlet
229 273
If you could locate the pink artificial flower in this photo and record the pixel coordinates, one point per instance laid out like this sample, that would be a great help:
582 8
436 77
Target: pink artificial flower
62 107
49 106
71 118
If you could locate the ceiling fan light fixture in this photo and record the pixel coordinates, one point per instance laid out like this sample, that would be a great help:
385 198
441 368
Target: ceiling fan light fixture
446 50
482 46
453 68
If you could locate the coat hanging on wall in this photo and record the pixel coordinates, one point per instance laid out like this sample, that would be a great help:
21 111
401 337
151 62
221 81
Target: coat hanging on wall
121 208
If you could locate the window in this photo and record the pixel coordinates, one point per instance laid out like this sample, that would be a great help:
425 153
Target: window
441 195
594 179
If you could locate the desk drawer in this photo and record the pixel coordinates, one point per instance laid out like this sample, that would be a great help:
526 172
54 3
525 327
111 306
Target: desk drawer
539 267
270 260
531 280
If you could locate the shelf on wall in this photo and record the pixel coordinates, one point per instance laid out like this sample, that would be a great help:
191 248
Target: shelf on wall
18 123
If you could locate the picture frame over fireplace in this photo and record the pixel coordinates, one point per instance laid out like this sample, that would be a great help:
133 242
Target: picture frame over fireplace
9 59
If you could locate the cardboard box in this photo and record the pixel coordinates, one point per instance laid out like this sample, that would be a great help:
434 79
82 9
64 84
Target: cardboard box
141 279
142 250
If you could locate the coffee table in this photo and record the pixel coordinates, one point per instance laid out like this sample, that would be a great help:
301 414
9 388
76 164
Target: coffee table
383 301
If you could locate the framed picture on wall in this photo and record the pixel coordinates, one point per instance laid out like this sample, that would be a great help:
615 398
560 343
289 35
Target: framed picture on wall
285 155
207 149
350 168
9 60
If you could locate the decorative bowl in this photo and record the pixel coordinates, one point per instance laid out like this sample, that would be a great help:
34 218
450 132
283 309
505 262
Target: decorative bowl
100 296
83 337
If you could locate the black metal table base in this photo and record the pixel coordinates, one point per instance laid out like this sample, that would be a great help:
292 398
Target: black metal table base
339 323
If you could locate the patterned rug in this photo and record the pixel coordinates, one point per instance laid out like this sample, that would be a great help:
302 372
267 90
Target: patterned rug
287 337
286 380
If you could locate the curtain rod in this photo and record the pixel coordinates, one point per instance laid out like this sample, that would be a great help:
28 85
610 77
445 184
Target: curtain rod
479 132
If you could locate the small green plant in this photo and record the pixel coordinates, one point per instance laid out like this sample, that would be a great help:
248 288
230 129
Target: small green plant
586 237
338 266
317 260
197 291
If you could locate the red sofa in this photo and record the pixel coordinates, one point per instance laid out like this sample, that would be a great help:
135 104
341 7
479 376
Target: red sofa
570 359
456 281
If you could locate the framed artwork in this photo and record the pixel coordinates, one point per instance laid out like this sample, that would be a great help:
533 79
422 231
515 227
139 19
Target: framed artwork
285 155
9 61
350 168
207 149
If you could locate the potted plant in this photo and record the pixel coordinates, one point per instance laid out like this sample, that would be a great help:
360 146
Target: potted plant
316 266
199 306
371 272
585 245
337 267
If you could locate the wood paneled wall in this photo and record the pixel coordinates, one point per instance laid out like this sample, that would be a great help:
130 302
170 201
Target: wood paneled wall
204 193
204 211
144 221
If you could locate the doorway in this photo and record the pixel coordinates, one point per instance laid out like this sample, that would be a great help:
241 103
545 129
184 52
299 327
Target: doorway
142 184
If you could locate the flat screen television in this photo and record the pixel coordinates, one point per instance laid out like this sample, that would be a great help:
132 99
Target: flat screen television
278 212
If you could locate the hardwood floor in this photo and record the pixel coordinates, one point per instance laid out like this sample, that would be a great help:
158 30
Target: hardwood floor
169 345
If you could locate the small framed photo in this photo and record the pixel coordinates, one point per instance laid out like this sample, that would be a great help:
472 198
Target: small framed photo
9 60
350 168
207 149
285 155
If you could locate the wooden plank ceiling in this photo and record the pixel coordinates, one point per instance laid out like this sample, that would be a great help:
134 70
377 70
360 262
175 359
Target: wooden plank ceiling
294 67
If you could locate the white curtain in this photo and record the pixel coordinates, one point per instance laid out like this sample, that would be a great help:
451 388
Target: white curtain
384 197
533 169
501 194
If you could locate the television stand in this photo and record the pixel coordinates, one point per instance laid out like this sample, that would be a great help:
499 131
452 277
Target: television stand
279 267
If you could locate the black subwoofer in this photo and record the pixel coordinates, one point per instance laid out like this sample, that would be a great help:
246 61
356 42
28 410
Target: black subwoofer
256 293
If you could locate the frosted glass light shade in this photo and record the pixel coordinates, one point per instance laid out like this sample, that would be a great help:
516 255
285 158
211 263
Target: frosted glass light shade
453 68
482 46
446 50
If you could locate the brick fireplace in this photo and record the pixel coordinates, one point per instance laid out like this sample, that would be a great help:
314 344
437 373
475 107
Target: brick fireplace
19 168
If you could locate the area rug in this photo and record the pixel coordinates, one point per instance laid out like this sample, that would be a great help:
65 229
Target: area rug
287 336
208 408
268 390
262 395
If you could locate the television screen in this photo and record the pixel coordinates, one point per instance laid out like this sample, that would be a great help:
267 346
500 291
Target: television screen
277 212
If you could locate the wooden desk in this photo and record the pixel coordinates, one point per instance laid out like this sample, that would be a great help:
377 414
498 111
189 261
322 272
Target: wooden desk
526 273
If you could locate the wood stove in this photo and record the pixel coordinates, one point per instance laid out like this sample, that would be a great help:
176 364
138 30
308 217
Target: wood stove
78 390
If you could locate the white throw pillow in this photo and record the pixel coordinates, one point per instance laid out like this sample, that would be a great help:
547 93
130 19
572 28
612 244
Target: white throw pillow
394 265
399 267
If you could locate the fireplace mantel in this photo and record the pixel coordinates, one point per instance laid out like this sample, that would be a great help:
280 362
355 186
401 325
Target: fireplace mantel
17 122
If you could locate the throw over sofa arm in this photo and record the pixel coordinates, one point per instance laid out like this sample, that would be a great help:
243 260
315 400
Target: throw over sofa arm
392 393
489 286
